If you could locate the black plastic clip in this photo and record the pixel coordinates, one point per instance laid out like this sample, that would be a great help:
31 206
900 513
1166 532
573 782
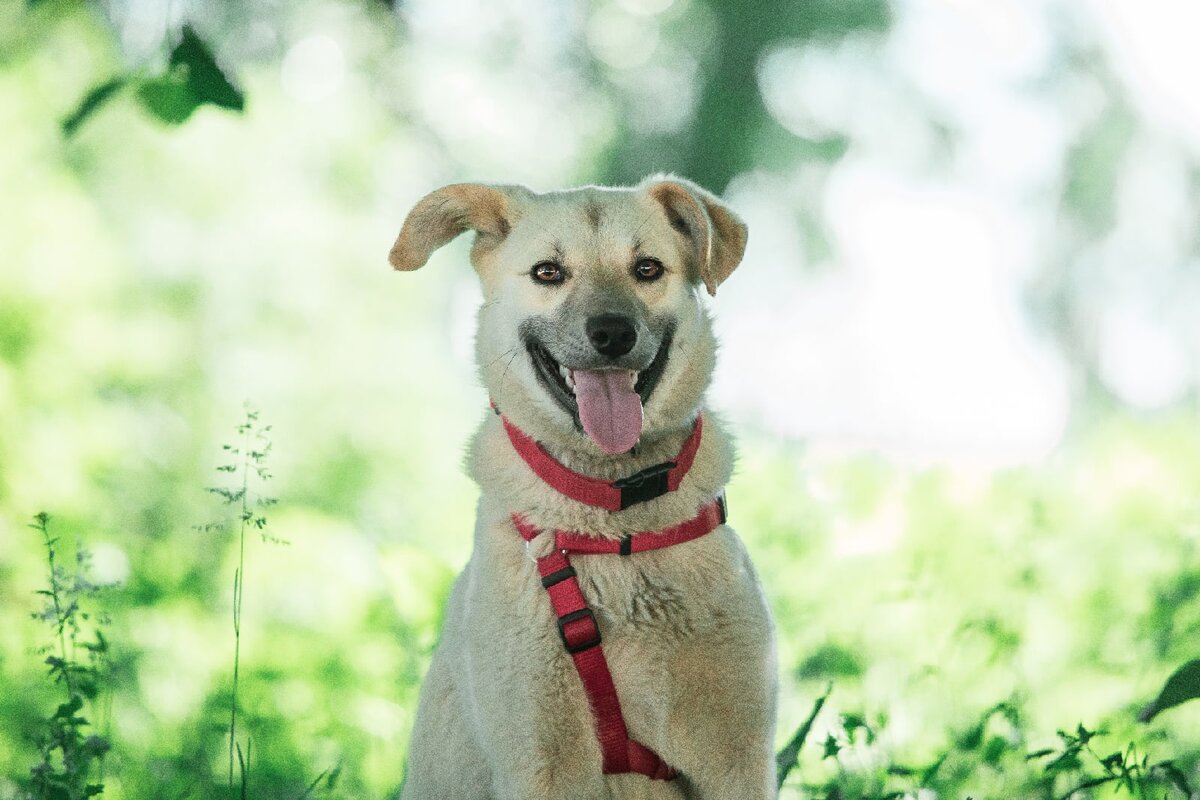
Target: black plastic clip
645 485
591 641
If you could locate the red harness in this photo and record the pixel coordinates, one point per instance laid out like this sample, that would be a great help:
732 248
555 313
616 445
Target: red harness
577 624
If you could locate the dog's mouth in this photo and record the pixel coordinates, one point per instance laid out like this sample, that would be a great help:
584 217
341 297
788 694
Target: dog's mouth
606 403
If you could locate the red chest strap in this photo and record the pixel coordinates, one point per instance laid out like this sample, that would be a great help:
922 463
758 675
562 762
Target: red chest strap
580 632
615 495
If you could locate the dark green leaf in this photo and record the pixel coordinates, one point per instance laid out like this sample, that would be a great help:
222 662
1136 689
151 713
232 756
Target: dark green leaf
994 750
68 709
1184 685
789 756
91 102
832 747
973 737
206 81
1175 776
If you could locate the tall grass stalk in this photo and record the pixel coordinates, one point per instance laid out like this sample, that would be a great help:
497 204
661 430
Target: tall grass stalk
249 466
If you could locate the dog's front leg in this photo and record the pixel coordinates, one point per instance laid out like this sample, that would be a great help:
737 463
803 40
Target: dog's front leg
537 734
723 712
525 698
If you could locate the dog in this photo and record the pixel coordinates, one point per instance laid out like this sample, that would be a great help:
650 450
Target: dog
609 637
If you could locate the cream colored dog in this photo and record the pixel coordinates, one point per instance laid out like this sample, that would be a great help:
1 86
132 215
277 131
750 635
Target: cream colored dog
594 344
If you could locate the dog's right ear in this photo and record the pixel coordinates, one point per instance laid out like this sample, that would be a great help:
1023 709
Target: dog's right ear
445 213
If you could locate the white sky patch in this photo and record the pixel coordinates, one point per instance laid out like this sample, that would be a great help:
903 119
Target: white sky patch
1140 361
314 68
958 53
915 344
1153 45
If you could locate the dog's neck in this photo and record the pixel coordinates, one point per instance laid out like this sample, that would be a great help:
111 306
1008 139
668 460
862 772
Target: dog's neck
509 485
654 448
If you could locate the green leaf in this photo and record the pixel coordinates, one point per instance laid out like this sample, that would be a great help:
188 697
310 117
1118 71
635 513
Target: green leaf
832 747
994 750
789 756
67 710
1184 685
169 97
206 81
91 102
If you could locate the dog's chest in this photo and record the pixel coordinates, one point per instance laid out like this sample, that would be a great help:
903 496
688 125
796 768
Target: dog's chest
665 595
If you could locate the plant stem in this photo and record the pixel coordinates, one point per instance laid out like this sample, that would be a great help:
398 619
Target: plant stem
238 586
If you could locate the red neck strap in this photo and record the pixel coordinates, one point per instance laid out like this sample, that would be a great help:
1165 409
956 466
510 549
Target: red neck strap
710 516
615 495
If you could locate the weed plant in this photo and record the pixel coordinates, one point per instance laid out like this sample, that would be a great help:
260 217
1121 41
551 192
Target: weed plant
71 752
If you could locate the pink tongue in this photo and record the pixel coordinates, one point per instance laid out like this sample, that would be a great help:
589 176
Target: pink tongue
611 412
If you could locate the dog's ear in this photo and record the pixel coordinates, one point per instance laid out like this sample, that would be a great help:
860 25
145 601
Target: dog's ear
445 213
717 236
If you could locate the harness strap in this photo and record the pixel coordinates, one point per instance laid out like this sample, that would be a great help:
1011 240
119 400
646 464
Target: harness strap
580 632
615 495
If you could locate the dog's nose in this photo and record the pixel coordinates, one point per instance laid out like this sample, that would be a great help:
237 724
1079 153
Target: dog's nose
611 334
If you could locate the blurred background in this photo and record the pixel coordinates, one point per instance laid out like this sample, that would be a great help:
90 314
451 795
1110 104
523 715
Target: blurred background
961 355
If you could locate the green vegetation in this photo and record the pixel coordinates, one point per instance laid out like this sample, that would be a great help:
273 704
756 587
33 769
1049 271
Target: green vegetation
71 764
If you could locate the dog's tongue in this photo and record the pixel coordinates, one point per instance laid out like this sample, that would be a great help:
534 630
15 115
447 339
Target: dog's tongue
611 412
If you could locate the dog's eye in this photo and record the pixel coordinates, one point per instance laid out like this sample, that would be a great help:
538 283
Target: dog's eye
547 272
648 269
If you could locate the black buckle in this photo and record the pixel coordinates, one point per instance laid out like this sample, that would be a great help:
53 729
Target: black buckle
722 508
574 615
645 485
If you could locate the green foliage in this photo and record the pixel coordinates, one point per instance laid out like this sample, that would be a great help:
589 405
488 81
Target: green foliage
1182 686
192 79
1072 769
96 97
72 754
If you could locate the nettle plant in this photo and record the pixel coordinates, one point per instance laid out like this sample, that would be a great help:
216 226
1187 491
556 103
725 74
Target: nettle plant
71 751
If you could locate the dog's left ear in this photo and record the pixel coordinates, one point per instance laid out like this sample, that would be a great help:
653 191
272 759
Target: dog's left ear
717 235
443 214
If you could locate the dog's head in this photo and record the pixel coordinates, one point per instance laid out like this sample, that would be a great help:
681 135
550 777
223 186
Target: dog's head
592 334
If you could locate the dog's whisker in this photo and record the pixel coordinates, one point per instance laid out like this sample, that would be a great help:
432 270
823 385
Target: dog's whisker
511 351
504 375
